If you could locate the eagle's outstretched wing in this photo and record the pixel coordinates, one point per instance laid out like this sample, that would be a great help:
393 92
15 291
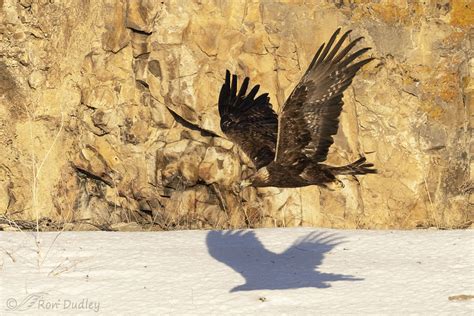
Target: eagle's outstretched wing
310 115
248 121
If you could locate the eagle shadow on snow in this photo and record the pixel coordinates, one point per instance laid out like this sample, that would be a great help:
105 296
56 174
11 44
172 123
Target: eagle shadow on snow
296 267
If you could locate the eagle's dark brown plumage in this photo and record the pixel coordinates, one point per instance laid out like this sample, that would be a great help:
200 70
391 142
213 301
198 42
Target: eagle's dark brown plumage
288 150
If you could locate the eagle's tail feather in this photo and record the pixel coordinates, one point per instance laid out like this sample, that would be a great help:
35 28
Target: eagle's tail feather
357 167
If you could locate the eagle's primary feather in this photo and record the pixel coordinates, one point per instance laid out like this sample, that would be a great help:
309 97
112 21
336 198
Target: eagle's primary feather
288 150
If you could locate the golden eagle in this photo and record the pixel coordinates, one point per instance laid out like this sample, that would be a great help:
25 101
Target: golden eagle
288 149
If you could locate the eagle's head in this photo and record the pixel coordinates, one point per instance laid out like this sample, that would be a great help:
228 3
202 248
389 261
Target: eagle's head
258 179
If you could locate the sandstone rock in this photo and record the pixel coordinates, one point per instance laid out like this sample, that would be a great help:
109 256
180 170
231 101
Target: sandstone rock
141 14
116 36
140 44
170 26
128 227
222 143
36 79
100 97
9 228
161 116
5 189
219 167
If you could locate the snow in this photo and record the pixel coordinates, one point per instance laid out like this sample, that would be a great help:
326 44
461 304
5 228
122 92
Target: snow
266 271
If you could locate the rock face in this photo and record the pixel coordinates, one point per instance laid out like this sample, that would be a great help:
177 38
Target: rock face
101 103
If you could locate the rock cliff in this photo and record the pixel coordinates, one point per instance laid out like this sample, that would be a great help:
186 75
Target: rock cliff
108 111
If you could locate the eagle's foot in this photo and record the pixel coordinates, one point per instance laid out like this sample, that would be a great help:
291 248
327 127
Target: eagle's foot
335 185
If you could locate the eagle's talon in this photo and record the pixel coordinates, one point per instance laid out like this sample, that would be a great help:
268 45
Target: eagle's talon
335 185
340 184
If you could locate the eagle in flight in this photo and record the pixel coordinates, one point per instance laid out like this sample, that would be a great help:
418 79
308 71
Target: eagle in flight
288 150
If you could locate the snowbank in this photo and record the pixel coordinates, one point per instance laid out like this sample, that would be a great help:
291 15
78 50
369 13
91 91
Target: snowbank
265 271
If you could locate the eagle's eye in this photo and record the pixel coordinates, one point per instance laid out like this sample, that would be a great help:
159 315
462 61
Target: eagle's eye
226 122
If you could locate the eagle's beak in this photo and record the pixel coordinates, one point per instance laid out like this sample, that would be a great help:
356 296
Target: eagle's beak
245 183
